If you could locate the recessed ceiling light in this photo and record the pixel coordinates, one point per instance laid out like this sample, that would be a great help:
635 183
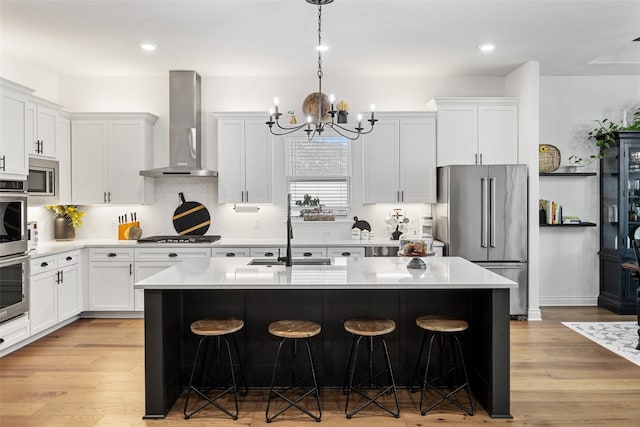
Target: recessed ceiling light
487 47
148 46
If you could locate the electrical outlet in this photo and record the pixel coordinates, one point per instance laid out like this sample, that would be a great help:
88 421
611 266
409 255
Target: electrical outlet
257 225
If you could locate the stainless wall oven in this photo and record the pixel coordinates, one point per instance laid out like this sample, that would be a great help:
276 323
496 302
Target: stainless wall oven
14 286
14 263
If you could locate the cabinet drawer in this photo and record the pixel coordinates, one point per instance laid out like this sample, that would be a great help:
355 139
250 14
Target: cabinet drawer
14 331
230 252
169 254
266 252
308 252
68 258
111 254
43 264
345 252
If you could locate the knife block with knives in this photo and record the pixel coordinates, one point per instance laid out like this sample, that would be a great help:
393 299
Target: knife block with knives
129 230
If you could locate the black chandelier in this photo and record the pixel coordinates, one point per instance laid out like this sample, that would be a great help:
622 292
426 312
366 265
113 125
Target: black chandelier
319 108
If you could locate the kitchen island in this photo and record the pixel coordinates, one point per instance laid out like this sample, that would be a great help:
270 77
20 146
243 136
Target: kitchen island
327 294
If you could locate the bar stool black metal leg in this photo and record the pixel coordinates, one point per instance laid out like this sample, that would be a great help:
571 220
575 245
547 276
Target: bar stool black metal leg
243 379
466 378
416 372
426 374
351 370
393 381
193 372
370 381
294 383
345 383
315 382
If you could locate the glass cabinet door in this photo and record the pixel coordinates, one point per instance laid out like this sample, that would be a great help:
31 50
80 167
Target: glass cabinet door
632 195
610 203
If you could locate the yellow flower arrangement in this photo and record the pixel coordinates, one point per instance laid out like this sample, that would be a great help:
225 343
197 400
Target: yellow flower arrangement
71 212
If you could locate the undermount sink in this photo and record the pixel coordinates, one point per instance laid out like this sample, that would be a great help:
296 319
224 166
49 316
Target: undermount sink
295 261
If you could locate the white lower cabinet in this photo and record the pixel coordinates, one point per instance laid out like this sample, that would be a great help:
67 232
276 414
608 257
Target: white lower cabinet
111 279
55 292
230 252
267 252
351 252
149 261
14 331
311 252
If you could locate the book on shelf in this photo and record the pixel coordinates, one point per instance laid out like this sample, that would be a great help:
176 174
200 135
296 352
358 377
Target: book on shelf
551 213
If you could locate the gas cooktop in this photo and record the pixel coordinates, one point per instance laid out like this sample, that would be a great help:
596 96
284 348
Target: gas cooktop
187 238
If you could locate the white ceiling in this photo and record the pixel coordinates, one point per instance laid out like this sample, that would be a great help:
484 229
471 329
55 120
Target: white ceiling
367 37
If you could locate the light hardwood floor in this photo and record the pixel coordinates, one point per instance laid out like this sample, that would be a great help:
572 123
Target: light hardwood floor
90 373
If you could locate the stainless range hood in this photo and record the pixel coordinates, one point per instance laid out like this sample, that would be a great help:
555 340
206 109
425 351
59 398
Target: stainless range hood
185 128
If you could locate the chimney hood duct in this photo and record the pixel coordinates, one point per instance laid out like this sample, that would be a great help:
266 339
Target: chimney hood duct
185 128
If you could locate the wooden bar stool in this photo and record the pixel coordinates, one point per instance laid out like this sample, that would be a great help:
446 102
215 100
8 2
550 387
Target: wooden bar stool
294 330
369 328
214 380
445 383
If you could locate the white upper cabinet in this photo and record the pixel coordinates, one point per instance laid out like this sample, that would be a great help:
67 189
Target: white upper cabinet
108 152
245 159
41 120
399 159
13 153
63 154
476 130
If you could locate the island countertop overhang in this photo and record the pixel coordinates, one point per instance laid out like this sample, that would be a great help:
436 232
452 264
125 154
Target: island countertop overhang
344 273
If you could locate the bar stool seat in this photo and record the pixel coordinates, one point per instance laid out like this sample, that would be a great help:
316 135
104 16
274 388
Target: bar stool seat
370 380
294 330
219 329
442 327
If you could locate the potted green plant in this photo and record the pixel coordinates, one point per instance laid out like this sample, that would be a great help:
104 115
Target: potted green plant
314 211
604 136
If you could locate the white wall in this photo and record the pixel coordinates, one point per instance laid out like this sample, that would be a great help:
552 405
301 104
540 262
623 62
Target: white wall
45 83
569 106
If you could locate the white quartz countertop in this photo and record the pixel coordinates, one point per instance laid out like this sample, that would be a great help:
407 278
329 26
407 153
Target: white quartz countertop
344 273
47 248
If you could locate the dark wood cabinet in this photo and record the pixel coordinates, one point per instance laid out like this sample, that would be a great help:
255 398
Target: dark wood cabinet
619 222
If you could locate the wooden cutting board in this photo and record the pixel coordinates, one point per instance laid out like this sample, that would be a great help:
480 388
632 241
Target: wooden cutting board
191 218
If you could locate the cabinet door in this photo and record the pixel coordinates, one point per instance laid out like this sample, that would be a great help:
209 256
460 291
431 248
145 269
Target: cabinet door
457 135
418 161
258 162
46 127
380 163
498 134
89 166
142 271
13 153
63 154
126 150
111 286
42 301
69 292
230 161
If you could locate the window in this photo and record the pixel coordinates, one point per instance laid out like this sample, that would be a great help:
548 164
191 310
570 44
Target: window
322 169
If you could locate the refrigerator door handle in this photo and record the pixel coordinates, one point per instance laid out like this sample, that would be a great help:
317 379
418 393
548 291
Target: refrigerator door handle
483 213
492 212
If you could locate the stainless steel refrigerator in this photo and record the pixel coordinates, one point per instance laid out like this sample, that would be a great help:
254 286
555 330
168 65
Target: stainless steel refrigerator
481 215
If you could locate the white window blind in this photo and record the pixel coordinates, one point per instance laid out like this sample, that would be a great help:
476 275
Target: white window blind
322 169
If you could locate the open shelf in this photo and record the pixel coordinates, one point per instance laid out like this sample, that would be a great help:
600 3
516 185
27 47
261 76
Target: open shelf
568 174
582 224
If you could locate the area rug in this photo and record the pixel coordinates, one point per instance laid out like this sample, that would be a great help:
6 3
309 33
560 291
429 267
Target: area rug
618 337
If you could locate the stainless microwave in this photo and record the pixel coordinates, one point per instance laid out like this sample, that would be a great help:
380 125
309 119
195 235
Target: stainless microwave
42 181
